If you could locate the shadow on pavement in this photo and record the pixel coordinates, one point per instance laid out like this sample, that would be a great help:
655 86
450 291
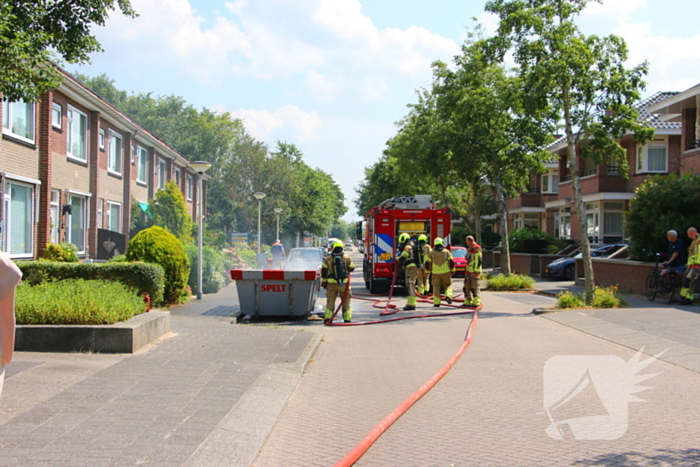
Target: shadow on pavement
636 459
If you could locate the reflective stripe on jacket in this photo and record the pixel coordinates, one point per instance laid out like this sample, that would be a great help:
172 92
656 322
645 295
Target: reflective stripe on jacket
694 251
441 261
474 259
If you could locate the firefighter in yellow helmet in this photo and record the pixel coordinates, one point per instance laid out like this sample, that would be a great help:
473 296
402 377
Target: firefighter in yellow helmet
423 250
441 265
335 274
471 278
693 266
408 263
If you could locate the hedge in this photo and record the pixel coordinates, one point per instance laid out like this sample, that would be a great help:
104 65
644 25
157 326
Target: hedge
142 277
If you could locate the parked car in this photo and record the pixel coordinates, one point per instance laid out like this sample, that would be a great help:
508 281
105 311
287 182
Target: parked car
304 259
348 246
459 254
565 268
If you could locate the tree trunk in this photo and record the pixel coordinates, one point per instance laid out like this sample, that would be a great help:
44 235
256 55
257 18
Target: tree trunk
578 202
503 216
476 192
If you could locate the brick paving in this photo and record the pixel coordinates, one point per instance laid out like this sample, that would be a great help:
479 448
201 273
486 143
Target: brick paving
487 411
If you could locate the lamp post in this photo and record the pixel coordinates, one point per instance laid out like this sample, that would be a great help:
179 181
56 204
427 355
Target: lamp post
259 195
200 167
278 211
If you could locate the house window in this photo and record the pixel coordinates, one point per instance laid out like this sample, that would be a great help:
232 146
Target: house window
18 120
177 177
550 182
565 223
100 203
613 214
161 174
77 134
517 221
532 220
613 166
556 224
18 238
102 139
115 153
532 187
77 222
589 167
142 165
653 158
55 215
113 216
57 116
592 220
190 188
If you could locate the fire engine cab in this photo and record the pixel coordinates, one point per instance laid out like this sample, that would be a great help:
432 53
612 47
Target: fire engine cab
414 215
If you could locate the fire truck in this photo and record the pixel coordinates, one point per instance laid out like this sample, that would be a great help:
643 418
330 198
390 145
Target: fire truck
414 215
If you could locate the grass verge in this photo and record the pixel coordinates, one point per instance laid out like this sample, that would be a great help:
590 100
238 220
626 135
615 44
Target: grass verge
512 282
603 297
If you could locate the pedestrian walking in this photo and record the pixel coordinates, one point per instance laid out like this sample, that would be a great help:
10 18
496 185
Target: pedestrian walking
693 269
278 255
10 276
422 251
335 275
471 277
407 262
441 265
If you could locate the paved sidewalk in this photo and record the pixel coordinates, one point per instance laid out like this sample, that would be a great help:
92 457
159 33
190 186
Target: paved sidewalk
489 410
207 394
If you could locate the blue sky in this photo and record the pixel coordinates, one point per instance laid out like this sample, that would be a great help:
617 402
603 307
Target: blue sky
333 76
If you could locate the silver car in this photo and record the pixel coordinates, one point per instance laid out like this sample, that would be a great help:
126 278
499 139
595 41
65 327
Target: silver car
304 259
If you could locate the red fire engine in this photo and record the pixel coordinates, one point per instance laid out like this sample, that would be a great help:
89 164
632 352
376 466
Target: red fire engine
414 215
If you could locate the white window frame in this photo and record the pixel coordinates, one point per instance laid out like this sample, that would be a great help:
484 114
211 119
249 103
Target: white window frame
70 114
190 187
531 217
101 140
549 187
57 112
110 205
593 220
608 208
55 215
141 163
178 177
565 223
517 221
85 221
643 156
100 204
7 121
115 157
162 175
7 221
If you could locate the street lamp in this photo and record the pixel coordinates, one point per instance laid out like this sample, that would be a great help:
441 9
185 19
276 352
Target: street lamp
259 195
278 211
200 167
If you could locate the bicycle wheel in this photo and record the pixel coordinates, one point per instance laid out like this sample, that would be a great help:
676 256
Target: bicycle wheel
651 286
673 285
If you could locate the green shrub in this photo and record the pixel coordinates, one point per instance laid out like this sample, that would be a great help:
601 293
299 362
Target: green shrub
512 282
158 246
141 277
212 269
76 301
603 297
121 258
517 239
660 204
65 252
169 211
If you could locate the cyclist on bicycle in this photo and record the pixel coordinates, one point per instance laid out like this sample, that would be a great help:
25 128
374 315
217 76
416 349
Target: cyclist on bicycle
677 253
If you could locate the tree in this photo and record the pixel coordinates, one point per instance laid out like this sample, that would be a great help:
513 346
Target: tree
168 210
582 78
35 32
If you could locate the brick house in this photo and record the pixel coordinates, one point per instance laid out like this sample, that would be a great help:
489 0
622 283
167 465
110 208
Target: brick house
548 204
69 167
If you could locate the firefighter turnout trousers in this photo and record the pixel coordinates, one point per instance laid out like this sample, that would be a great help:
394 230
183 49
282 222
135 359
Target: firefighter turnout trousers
471 290
411 275
336 291
422 281
441 281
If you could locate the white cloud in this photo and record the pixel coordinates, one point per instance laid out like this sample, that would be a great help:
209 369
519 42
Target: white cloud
287 120
320 85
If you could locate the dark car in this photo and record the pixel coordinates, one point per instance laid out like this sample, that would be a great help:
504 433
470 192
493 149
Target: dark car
459 255
565 268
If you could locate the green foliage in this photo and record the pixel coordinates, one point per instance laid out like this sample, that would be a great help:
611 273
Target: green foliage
213 269
76 301
660 204
138 220
168 210
65 252
141 277
488 236
33 33
603 297
158 246
510 282
519 236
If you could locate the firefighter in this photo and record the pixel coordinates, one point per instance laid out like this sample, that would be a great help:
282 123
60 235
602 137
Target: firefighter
471 278
692 268
335 275
441 265
408 263
421 252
